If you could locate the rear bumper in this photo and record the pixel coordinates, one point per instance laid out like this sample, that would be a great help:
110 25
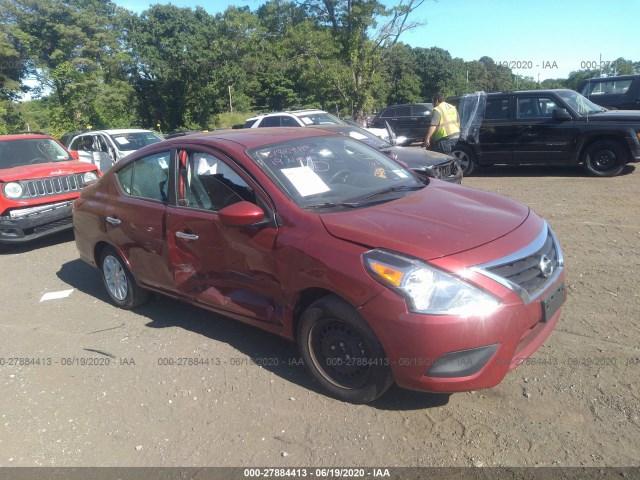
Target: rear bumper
35 225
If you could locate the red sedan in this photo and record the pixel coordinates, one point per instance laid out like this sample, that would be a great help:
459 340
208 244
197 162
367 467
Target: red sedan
379 276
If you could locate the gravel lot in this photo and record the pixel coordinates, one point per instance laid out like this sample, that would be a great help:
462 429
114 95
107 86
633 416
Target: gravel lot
576 403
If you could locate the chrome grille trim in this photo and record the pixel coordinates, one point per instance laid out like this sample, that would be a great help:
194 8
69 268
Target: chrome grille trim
519 270
45 187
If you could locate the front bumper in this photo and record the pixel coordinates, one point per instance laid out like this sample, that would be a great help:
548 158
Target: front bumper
415 344
448 172
45 220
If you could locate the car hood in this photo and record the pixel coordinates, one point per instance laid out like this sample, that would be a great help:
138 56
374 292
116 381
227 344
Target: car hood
419 158
43 170
439 220
616 116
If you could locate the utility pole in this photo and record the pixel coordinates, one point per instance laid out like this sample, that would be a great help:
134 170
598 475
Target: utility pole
230 104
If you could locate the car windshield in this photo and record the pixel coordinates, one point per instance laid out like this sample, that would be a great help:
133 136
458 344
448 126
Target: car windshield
135 140
30 151
319 118
364 136
334 172
580 104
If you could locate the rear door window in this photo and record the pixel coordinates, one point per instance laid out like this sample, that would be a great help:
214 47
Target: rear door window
388 113
147 177
497 109
419 111
606 87
270 122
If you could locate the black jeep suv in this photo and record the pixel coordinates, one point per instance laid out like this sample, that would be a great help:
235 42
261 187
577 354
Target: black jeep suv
553 127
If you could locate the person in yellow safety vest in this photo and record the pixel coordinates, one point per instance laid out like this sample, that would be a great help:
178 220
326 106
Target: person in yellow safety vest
444 131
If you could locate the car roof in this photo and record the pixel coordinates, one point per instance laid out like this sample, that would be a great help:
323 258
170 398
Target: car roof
253 137
24 136
422 104
117 131
307 110
287 112
610 79
512 92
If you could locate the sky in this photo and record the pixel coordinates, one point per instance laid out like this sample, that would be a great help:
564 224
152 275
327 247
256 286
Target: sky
536 38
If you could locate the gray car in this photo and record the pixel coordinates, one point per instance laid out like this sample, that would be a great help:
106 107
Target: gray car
423 162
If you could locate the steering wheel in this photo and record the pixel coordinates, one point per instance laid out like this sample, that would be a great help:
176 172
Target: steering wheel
340 176
38 160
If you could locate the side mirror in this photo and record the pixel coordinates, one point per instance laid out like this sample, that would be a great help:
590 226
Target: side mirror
74 154
241 214
561 114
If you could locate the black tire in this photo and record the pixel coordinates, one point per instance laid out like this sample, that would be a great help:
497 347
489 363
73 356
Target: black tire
120 284
341 351
466 158
605 158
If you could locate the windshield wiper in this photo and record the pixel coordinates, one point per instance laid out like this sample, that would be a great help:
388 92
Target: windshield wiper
332 204
384 191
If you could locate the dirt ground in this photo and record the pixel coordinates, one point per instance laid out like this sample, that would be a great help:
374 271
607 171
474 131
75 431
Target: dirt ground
576 403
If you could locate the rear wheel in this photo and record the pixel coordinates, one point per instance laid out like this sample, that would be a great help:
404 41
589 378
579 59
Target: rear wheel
466 158
341 351
119 282
605 158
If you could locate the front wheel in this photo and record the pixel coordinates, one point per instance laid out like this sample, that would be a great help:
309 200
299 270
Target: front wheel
466 158
341 351
605 158
120 284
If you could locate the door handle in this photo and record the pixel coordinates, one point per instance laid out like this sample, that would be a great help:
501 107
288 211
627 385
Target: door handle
113 220
186 236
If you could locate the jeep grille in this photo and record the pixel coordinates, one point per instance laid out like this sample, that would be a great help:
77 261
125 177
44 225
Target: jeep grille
47 187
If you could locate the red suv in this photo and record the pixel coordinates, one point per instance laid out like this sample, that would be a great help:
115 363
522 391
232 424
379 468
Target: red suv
39 179
321 239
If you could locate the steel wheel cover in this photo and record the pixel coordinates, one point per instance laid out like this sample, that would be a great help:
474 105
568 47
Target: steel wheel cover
340 353
604 159
115 278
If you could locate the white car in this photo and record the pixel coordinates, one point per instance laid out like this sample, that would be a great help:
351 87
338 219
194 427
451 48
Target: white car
303 118
105 147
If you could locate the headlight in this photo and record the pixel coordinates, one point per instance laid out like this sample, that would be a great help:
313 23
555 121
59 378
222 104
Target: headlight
12 190
427 289
90 177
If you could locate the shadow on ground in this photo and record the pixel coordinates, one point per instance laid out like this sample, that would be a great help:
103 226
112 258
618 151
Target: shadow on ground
43 242
273 353
538 171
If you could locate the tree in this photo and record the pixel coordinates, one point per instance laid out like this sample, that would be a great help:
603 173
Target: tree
404 84
173 65
73 49
364 32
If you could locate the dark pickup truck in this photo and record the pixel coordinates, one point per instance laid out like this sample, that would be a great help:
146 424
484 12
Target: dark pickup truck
552 127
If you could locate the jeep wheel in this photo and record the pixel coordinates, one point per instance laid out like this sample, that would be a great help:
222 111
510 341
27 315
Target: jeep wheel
466 159
605 158
341 351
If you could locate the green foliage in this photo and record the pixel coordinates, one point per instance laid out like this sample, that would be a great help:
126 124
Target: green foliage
10 119
229 119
